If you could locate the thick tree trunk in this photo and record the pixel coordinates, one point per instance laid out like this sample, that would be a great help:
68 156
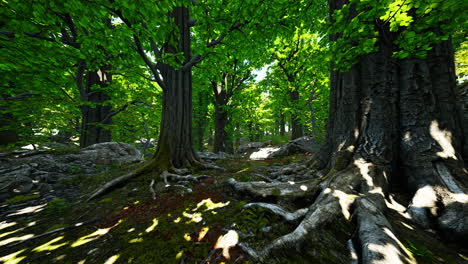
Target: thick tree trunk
93 118
296 125
390 121
175 144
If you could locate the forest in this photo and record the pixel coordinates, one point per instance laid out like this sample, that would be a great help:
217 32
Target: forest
242 131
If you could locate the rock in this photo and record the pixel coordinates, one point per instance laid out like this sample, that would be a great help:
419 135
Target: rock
15 180
262 153
251 147
299 145
214 156
287 170
44 188
108 153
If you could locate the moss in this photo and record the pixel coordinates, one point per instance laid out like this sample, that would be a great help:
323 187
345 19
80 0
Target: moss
420 252
21 199
276 192
58 206
106 200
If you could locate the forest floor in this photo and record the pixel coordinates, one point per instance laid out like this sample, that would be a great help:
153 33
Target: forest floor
128 226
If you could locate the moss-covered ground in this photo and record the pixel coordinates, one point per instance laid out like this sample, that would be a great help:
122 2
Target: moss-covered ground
128 226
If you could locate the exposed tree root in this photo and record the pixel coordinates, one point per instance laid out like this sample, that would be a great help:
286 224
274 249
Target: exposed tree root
347 198
174 177
278 189
287 216
379 243
166 176
112 185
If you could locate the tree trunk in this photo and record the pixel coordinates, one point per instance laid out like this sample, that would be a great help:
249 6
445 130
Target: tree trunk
175 145
313 119
7 135
296 125
282 124
390 121
220 117
201 118
95 117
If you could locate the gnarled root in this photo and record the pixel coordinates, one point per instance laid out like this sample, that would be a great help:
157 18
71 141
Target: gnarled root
166 176
443 207
379 243
277 189
331 207
287 216
112 185
329 222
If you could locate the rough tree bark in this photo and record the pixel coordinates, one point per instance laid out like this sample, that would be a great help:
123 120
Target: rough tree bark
175 146
94 117
390 121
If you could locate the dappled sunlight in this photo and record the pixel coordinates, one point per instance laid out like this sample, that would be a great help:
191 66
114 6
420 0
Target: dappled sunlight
444 139
345 200
393 251
15 239
227 241
29 210
49 246
210 205
136 240
152 226
5 224
93 236
112 259
262 153
392 204
363 167
202 233
187 237
195 217
13 258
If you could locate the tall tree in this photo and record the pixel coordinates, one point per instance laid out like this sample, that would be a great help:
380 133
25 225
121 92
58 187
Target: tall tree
393 120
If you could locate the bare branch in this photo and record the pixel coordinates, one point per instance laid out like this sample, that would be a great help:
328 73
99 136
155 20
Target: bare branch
194 60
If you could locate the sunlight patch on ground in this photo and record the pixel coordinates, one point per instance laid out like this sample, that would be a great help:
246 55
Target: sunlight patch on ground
179 254
262 153
13 258
152 226
93 236
203 233
6 224
49 245
210 205
227 241
15 239
195 217
136 240
29 210
112 259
